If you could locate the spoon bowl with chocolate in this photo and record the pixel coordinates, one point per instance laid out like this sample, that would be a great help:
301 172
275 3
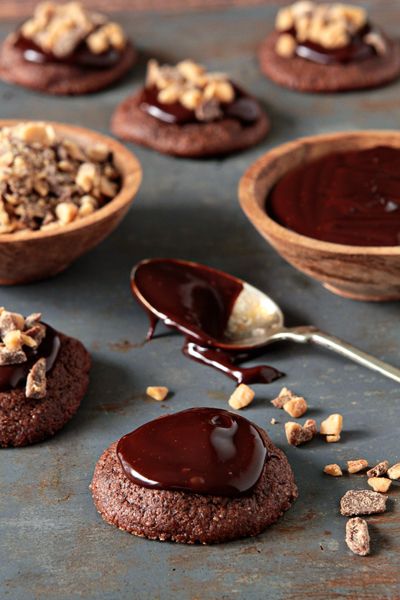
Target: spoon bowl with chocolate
224 319
330 205
63 190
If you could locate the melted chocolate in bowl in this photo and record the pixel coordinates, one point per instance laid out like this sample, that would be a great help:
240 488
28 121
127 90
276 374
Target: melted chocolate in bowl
81 57
200 450
243 108
198 301
11 376
350 198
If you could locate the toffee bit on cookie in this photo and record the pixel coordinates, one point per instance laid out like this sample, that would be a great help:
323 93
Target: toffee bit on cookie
355 466
241 397
297 434
394 471
11 357
380 484
379 469
357 536
157 392
362 502
332 426
294 405
334 470
36 381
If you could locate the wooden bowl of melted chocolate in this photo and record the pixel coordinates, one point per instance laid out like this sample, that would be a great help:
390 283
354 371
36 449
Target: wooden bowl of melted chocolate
330 205
63 190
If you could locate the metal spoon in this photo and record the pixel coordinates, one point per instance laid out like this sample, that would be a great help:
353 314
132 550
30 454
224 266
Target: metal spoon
256 320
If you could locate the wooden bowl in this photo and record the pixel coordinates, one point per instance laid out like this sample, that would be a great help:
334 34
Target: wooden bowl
358 272
32 255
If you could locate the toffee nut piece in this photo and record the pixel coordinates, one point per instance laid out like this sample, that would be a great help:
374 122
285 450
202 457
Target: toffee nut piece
362 502
379 469
297 434
157 392
355 466
333 470
394 471
357 536
294 405
36 380
332 426
241 397
380 484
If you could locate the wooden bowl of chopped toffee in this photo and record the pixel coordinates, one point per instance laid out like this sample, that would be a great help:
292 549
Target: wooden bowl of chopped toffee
64 189
329 205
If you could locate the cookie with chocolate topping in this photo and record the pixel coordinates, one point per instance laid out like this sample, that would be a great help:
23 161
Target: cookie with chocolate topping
66 49
43 378
328 47
186 111
202 475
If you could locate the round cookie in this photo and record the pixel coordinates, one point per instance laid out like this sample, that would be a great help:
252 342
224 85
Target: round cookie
307 76
191 140
25 421
58 78
189 517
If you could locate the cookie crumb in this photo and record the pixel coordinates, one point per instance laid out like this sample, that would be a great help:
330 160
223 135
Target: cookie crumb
357 536
241 397
380 484
379 469
157 392
355 466
274 421
334 470
362 502
297 434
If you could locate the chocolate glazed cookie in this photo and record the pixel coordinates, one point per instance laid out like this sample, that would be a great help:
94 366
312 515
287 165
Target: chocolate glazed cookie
306 76
25 421
58 78
192 517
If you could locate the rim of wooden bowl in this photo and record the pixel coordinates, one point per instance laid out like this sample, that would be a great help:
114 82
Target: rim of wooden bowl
127 164
253 205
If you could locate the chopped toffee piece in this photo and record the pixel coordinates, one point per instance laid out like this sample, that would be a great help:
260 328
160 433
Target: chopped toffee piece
332 438
357 536
355 466
241 397
332 426
47 182
394 471
380 484
362 502
36 380
379 469
297 434
157 392
294 405
333 470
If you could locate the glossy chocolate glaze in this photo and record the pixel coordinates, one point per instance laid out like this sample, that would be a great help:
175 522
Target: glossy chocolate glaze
200 450
198 301
348 198
81 57
355 51
11 376
243 108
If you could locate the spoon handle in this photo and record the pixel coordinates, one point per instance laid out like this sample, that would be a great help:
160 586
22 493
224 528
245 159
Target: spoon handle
312 335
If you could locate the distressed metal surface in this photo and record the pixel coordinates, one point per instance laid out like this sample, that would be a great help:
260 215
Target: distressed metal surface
52 542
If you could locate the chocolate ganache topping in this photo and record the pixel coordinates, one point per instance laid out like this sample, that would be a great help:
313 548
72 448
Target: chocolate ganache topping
200 450
28 350
348 198
198 301
187 93
70 34
332 33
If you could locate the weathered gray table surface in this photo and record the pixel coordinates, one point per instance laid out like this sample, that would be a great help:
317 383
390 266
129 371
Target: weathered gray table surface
52 542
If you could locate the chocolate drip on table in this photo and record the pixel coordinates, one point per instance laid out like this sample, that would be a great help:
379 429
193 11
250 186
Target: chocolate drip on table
348 198
11 376
200 450
197 301
244 108
80 57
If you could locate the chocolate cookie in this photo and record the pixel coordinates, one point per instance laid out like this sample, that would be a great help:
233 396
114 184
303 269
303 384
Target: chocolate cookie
301 74
185 111
328 47
189 517
25 421
66 49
